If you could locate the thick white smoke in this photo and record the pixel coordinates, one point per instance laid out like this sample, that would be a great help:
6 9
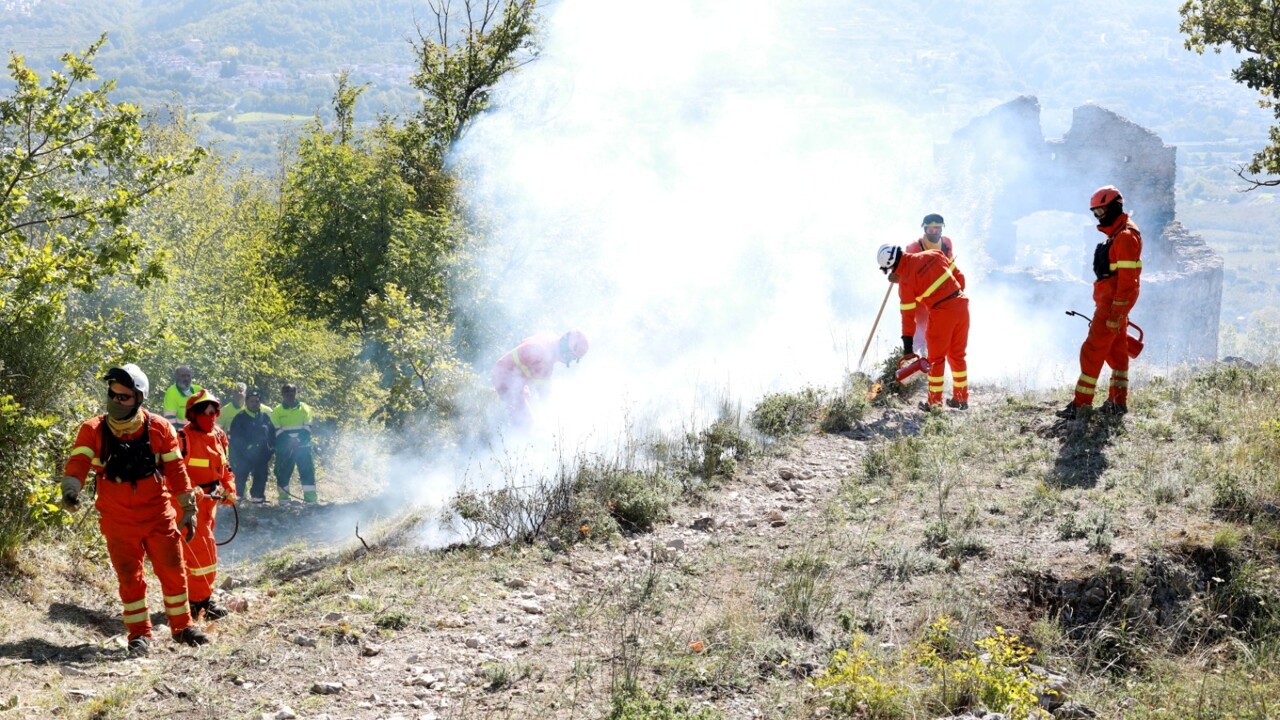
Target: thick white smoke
704 203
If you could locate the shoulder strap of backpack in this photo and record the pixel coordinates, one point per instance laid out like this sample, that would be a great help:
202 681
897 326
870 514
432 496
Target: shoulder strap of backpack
104 452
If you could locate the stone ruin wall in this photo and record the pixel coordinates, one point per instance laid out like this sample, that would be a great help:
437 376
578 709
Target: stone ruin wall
1011 171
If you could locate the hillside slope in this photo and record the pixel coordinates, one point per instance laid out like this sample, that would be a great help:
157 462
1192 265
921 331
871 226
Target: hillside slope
1135 556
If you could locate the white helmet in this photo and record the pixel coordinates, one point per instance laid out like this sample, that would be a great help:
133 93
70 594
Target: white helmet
130 375
887 256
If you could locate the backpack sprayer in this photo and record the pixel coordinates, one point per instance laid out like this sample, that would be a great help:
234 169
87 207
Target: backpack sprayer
1133 345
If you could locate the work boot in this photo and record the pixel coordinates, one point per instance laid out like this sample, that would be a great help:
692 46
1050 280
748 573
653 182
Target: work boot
1112 408
211 610
957 404
927 407
258 501
283 497
140 645
191 635
310 496
1069 412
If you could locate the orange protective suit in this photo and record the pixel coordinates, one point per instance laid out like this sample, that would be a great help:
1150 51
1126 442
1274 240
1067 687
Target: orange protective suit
946 247
205 454
138 519
1113 298
527 367
929 279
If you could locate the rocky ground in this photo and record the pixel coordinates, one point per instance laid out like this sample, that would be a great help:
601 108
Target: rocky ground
734 605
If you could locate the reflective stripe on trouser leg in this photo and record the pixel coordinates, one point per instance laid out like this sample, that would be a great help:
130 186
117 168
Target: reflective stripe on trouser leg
137 619
200 555
960 386
1098 347
949 339
935 388
126 553
1118 359
164 549
1118 393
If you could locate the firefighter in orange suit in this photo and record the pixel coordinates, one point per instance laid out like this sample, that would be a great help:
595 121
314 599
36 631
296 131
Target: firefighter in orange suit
204 448
932 239
1117 265
528 368
931 280
135 458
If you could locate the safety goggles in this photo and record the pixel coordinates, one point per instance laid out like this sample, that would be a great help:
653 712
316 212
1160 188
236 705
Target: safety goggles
1098 212
120 397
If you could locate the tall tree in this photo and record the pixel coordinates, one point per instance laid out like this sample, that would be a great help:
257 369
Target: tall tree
1252 27
74 169
460 61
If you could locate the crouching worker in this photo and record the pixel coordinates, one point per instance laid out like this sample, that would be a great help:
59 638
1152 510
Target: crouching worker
141 480
932 280
527 368
204 449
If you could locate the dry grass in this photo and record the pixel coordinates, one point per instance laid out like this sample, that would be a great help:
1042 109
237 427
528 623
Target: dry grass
998 517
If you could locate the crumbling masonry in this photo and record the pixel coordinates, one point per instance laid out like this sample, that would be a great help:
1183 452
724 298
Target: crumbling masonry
1004 169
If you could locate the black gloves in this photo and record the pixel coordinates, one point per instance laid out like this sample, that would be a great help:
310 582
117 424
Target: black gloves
908 342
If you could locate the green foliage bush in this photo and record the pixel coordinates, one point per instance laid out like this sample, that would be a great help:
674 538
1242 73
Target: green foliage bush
845 408
779 415
935 677
640 705
636 501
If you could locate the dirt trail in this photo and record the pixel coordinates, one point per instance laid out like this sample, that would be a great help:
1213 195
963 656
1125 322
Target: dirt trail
704 607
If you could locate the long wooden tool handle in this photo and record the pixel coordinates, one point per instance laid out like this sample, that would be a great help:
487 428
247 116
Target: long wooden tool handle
875 324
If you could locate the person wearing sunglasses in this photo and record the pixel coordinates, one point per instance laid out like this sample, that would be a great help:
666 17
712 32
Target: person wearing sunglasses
144 496
932 239
1117 267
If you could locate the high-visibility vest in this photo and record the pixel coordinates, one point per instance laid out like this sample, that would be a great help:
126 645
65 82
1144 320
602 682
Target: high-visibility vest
174 408
292 422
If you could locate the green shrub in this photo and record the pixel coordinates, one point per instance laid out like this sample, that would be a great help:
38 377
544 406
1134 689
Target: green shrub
846 408
779 415
802 597
639 705
637 501
718 450
862 686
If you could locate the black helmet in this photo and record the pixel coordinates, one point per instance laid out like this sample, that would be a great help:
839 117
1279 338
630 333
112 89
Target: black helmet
932 218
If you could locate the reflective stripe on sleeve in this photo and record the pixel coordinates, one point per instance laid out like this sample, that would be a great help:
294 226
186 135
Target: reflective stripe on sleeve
198 462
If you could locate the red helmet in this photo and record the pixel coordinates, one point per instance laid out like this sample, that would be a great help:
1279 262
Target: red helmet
197 400
1104 196
573 345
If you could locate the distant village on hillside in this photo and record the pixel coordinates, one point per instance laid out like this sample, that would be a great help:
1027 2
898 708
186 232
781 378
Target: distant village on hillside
260 77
